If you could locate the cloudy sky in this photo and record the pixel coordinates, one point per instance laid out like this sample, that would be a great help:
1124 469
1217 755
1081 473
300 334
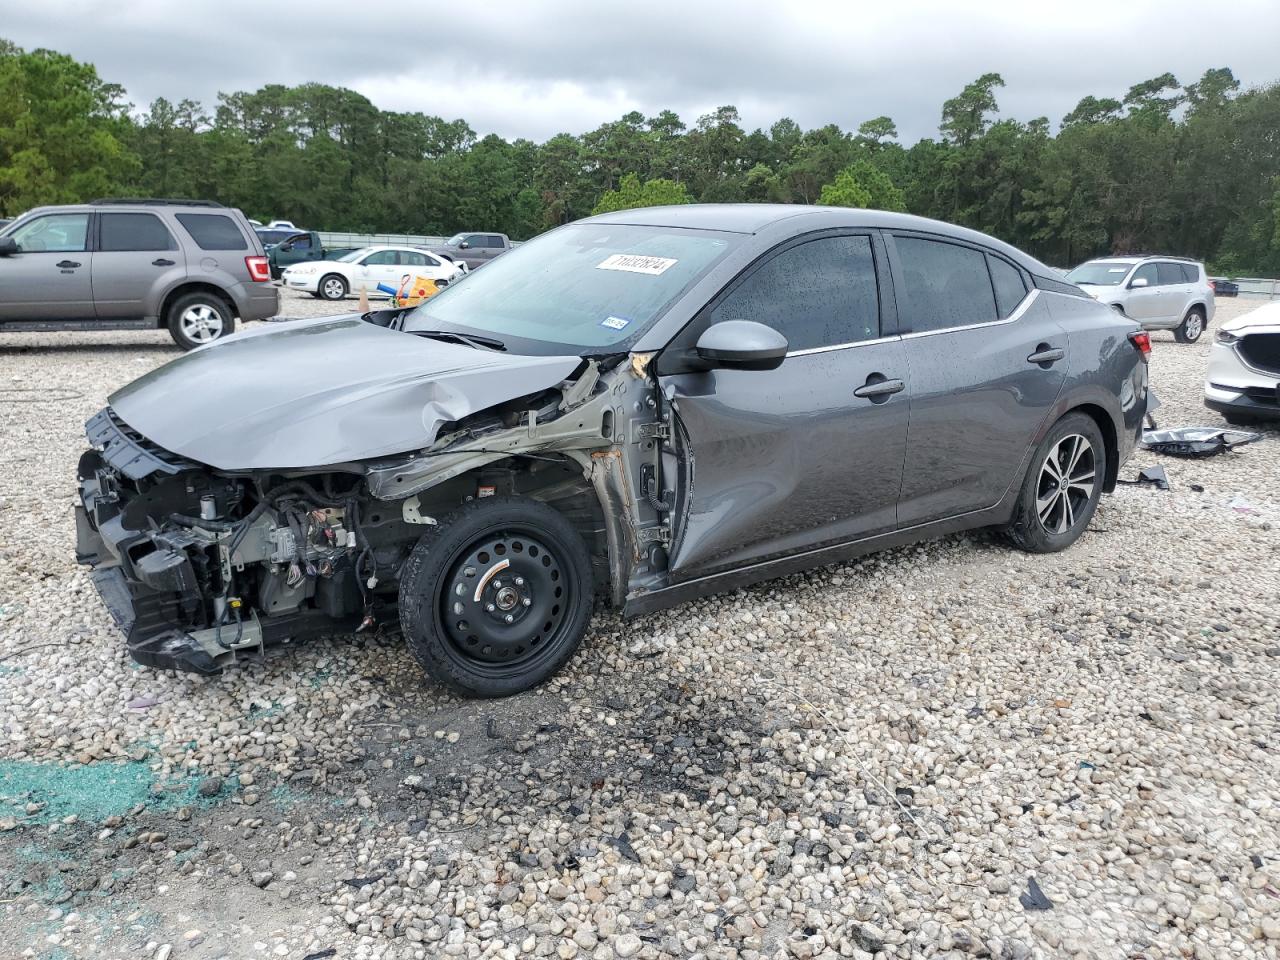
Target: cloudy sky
539 67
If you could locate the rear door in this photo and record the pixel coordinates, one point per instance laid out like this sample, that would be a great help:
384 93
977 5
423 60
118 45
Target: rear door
136 260
985 361
788 459
49 277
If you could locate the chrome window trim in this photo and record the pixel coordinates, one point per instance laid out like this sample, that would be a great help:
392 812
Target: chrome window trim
808 351
1018 311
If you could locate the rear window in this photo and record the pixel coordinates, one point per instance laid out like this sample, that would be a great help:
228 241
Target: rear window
213 231
133 231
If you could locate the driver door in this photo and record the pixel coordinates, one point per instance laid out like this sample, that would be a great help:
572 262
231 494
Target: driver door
1145 303
804 455
49 278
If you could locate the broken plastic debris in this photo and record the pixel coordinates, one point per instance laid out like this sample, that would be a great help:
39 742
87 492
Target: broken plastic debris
1034 898
1196 441
142 703
1153 475
1241 505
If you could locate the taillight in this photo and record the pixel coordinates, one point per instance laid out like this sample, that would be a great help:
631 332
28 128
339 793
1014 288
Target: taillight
259 269
1142 341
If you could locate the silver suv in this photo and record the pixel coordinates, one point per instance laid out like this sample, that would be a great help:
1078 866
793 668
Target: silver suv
1161 293
188 266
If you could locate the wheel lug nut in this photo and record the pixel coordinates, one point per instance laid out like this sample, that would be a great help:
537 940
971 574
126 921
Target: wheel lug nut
510 618
490 607
497 584
519 581
527 602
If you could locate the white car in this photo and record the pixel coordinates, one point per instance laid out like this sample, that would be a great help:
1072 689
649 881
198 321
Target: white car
1243 382
365 269
1161 293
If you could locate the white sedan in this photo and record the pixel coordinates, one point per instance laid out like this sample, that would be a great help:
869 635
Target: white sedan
365 269
1243 381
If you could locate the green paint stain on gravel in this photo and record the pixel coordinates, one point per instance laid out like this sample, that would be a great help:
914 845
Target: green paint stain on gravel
92 792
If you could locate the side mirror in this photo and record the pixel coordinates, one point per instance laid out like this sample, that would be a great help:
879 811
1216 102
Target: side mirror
742 345
1138 282
464 245
8 246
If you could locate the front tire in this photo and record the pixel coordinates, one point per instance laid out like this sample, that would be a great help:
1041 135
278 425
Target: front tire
1192 326
1063 485
496 598
332 287
198 319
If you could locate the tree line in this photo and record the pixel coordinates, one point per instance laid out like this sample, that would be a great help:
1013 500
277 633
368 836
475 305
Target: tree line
1185 168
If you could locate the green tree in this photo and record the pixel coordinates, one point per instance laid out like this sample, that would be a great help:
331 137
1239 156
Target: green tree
964 117
631 193
862 184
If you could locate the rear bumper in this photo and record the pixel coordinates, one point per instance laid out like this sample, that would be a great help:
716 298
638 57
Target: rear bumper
256 301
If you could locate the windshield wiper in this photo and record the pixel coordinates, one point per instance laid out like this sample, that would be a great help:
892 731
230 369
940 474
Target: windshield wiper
469 339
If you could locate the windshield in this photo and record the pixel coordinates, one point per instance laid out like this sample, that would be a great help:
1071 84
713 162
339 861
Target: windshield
456 239
1100 273
576 289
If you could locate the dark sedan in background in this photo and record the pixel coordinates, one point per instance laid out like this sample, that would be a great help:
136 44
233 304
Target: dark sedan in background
646 406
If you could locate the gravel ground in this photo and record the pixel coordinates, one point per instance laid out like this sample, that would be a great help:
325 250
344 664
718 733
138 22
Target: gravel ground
874 758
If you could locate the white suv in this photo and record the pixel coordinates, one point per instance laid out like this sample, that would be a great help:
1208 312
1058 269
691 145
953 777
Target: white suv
1161 293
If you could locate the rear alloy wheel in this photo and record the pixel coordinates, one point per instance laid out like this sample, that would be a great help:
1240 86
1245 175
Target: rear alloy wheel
1191 327
496 598
198 319
1061 490
332 287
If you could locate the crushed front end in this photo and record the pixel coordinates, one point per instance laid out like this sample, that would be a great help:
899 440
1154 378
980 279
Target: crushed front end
196 564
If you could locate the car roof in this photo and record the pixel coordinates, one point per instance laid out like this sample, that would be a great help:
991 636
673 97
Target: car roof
1142 258
751 218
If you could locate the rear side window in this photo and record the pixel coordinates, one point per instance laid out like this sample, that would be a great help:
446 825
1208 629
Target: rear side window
817 294
947 285
213 231
133 231
1170 273
1009 285
410 259
1190 272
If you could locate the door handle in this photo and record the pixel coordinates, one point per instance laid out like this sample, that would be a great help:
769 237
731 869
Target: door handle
162 262
878 389
1046 354
67 264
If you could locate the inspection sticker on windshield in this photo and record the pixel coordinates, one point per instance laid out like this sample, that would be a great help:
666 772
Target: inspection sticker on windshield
615 323
635 263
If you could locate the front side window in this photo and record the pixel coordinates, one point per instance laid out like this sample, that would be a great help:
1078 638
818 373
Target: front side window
53 233
1148 273
820 293
215 231
383 258
946 285
1009 285
133 232
577 289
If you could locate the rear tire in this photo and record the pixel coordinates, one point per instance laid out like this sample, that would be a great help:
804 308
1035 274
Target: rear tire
1062 487
496 598
1193 324
198 319
332 287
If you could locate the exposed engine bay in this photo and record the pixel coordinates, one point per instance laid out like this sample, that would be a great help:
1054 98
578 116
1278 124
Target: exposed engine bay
200 565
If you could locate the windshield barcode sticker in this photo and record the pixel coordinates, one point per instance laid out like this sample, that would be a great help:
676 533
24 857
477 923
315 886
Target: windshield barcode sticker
635 263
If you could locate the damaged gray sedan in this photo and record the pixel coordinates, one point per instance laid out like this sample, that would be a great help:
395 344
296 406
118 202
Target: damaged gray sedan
643 407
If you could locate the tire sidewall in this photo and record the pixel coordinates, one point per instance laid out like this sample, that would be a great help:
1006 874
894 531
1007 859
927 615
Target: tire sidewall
430 563
1027 529
1182 335
189 300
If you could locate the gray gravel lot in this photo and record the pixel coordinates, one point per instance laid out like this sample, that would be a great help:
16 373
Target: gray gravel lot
867 759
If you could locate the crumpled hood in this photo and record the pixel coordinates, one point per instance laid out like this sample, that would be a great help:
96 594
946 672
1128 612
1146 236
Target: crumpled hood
309 393
1264 319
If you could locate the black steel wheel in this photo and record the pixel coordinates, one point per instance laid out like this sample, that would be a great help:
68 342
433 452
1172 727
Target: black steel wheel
497 597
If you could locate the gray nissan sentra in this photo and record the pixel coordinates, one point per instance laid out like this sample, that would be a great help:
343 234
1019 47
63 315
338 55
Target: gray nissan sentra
645 407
